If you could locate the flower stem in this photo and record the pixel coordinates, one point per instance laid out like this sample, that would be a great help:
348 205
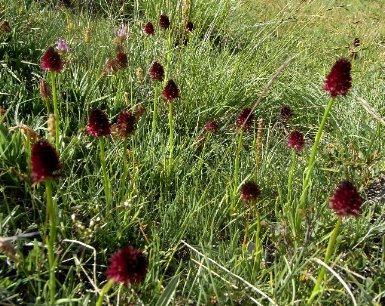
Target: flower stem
51 212
105 289
329 253
154 111
171 140
55 107
258 248
309 169
236 170
106 180
291 175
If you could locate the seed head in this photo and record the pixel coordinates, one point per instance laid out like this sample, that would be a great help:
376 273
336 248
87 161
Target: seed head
44 161
171 91
346 201
339 81
51 60
149 29
250 192
127 266
87 35
164 22
296 141
98 124
211 126
189 26
126 124
245 119
156 72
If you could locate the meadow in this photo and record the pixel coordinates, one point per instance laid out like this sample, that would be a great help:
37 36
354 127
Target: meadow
192 152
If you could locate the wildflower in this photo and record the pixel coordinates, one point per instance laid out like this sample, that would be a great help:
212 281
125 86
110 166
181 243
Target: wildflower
296 141
250 192
44 161
126 124
51 61
245 119
211 126
164 22
127 266
111 66
121 59
122 32
62 46
346 200
149 29
45 90
189 26
87 36
171 91
157 72
286 113
98 124
339 81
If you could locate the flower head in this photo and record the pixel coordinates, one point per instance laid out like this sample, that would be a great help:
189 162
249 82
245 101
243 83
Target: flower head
164 22
51 60
126 124
4 26
156 72
121 32
346 201
149 29
98 124
250 192
44 161
245 119
286 112
127 266
296 141
339 81
62 46
189 26
171 91
121 59
211 126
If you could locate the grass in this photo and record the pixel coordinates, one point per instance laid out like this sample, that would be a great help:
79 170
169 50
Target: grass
181 217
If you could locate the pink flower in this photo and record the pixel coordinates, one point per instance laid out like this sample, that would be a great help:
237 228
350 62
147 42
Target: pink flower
62 46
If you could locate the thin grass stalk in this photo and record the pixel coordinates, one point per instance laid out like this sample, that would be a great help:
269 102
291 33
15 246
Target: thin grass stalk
246 235
154 111
51 213
201 156
329 253
291 176
171 139
106 180
311 164
258 245
237 160
258 148
125 166
55 107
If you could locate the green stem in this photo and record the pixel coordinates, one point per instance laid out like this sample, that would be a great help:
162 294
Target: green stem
106 180
311 164
201 156
171 140
125 168
154 111
291 175
105 289
51 212
258 249
329 253
55 107
236 170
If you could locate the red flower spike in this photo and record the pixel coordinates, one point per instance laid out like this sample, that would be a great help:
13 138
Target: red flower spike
346 201
164 22
156 72
211 126
286 113
51 60
296 141
149 29
250 192
127 266
126 124
171 91
98 124
189 26
245 119
121 60
44 161
339 81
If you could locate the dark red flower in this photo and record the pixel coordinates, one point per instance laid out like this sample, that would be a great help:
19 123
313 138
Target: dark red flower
250 192
171 91
346 200
211 126
157 72
127 266
189 26
245 119
286 113
164 22
98 124
44 161
126 124
51 60
149 28
296 140
121 59
339 81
